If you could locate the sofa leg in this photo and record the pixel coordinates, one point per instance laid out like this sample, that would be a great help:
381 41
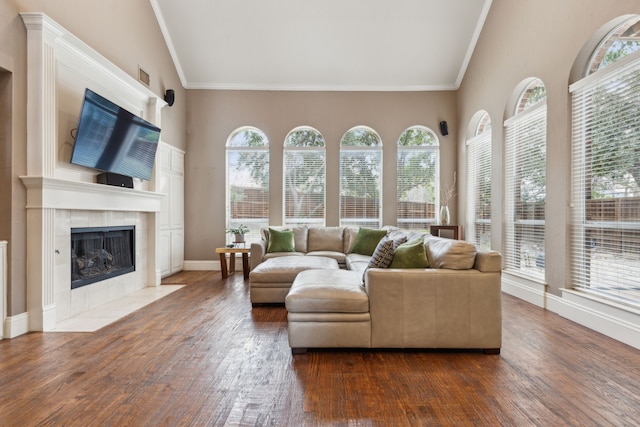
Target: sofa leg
491 350
299 350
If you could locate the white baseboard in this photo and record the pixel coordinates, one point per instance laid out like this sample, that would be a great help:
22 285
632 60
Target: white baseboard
16 325
202 265
614 321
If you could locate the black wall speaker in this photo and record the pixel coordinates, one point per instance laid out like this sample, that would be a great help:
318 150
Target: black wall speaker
115 179
444 129
170 97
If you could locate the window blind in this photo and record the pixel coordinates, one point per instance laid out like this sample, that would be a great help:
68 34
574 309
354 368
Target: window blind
605 223
247 196
304 186
360 179
479 190
525 191
417 181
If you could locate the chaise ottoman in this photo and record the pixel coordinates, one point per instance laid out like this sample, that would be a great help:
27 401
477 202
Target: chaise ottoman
328 309
271 280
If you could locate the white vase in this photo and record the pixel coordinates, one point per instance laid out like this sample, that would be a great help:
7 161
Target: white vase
445 217
239 238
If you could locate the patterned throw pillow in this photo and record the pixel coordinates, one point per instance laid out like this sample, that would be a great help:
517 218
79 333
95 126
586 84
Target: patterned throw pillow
382 255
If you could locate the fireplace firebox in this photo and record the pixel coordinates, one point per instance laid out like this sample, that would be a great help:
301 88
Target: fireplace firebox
99 253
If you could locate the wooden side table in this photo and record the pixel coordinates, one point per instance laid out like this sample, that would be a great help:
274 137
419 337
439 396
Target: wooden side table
448 231
232 260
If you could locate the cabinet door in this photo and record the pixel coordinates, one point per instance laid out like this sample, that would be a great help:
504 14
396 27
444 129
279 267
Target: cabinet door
164 187
177 201
177 251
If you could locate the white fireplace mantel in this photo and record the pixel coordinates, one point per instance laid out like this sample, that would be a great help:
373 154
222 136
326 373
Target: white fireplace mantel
60 66
52 193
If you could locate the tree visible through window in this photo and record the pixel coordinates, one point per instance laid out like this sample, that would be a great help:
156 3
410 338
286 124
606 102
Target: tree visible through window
248 180
304 177
360 178
417 178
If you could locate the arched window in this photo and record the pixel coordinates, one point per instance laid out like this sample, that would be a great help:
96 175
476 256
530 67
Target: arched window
605 223
360 178
525 182
247 175
479 182
623 40
417 177
304 177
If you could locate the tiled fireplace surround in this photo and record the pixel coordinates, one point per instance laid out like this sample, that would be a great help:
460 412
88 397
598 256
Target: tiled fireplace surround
61 196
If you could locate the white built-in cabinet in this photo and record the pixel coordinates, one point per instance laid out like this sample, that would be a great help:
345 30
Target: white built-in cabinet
171 182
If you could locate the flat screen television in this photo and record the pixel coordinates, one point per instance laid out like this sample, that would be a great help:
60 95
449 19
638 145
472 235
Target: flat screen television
111 139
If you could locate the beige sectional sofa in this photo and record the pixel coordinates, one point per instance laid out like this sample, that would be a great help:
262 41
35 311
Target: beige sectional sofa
455 302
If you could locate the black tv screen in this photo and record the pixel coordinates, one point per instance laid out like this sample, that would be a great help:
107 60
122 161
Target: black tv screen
111 139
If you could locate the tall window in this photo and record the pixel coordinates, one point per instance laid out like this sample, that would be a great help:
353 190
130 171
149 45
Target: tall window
304 177
418 162
605 227
479 184
525 183
360 178
248 180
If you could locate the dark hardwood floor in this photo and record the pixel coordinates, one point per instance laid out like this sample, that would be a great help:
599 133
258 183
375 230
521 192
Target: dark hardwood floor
202 356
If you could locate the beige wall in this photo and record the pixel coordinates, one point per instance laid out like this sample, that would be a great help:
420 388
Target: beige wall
213 115
541 39
126 33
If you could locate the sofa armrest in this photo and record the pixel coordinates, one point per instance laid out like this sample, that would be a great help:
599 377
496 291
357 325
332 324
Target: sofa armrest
488 261
257 252
434 308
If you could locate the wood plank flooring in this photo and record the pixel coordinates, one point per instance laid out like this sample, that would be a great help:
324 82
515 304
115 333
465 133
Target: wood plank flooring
203 357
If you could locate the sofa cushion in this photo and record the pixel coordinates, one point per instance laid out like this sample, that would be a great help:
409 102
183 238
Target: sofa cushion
367 240
280 241
284 269
327 291
449 253
357 262
410 255
325 239
350 234
338 256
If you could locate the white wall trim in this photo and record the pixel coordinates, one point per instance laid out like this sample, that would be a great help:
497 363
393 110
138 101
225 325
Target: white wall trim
16 325
202 265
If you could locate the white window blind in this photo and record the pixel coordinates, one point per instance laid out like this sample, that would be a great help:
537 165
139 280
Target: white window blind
525 191
247 195
417 178
304 178
360 178
605 227
479 190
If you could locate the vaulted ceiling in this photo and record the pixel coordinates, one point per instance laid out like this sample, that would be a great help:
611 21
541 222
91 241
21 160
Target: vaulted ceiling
373 45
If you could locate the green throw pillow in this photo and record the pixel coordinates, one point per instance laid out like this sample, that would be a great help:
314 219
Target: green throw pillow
410 255
280 241
367 240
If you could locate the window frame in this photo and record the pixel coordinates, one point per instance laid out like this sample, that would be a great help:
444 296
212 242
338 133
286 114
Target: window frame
254 223
479 163
517 226
403 205
375 151
319 150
